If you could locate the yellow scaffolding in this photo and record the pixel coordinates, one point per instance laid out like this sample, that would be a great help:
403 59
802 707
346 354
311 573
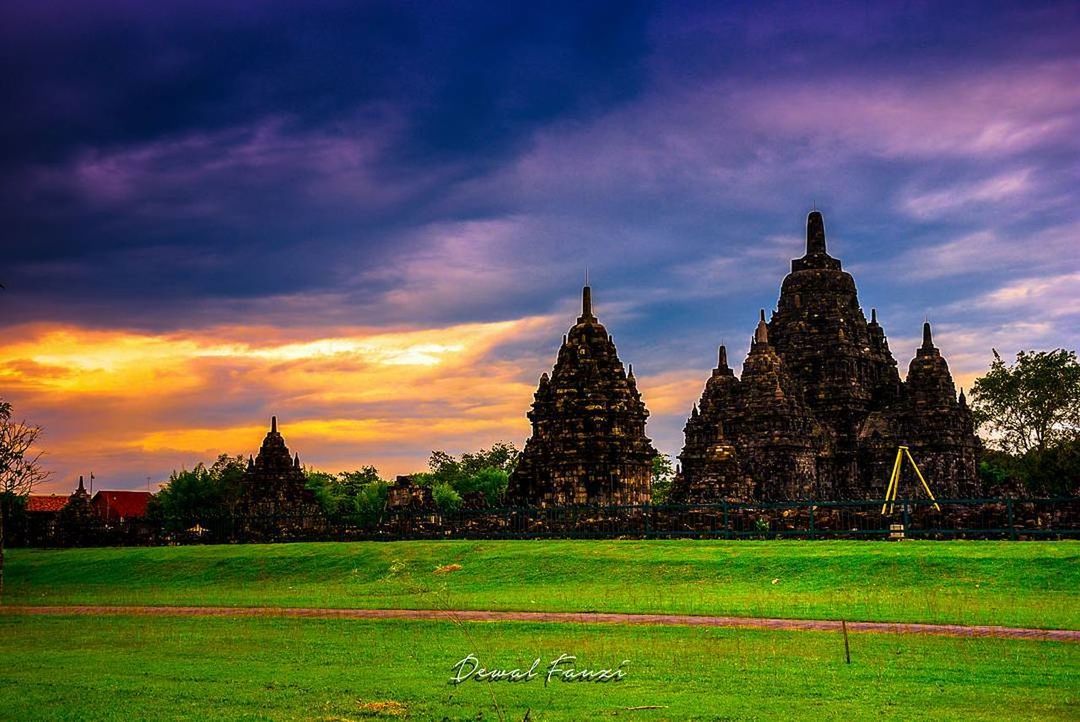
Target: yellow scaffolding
894 480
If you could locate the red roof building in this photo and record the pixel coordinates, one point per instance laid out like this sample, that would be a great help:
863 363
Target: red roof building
119 506
41 504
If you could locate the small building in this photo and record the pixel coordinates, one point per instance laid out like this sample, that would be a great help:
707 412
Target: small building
42 518
47 506
120 507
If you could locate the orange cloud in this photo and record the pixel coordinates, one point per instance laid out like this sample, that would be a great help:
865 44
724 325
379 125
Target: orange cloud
126 404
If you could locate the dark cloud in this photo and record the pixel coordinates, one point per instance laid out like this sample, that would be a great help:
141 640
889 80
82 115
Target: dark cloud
170 165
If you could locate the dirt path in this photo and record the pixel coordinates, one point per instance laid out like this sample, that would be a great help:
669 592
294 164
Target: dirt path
948 630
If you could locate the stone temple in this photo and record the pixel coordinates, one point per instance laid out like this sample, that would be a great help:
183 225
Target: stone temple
820 409
588 443
274 484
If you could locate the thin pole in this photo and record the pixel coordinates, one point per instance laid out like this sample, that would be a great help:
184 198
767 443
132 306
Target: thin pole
847 648
919 474
894 478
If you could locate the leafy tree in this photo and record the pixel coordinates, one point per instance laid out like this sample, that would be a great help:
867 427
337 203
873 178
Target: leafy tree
487 471
663 474
191 497
1031 413
327 491
359 479
228 471
358 496
490 481
370 502
445 497
1032 404
20 468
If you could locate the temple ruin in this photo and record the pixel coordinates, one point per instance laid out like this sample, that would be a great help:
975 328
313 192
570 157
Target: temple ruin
275 486
588 443
820 409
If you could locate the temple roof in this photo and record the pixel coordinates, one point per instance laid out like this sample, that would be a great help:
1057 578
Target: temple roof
274 454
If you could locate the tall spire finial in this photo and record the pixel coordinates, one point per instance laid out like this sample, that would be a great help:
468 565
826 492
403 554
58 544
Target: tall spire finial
273 424
586 304
761 334
927 337
723 357
82 489
873 315
815 233
296 460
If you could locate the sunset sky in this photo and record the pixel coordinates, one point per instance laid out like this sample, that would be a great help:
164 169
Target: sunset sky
373 219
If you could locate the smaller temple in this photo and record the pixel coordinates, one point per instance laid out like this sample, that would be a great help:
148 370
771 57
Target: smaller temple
588 443
405 493
275 485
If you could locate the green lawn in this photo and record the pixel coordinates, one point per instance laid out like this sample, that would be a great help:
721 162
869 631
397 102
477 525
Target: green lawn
127 668
1009 583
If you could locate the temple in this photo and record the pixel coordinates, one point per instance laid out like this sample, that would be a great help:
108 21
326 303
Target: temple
588 443
274 484
820 408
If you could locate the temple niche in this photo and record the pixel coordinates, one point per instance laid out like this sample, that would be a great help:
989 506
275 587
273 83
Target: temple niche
588 443
274 487
820 409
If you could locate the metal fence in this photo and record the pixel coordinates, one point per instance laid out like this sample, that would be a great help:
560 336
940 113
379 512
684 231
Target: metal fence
909 518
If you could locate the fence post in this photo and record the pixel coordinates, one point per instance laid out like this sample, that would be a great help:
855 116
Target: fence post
812 533
727 532
1012 524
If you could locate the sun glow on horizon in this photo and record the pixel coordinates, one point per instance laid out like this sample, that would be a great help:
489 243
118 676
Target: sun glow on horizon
123 400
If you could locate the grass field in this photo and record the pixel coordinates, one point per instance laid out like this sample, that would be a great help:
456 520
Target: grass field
1016 584
172 668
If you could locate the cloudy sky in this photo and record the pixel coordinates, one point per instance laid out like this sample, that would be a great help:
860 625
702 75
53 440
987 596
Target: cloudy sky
373 219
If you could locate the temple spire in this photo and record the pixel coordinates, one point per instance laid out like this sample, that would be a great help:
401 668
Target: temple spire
723 357
761 334
273 424
927 337
586 305
296 460
815 233
82 489
873 315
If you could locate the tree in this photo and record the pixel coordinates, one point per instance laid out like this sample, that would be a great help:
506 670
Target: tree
1030 411
20 467
487 471
663 473
358 496
199 495
1031 405
445 497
